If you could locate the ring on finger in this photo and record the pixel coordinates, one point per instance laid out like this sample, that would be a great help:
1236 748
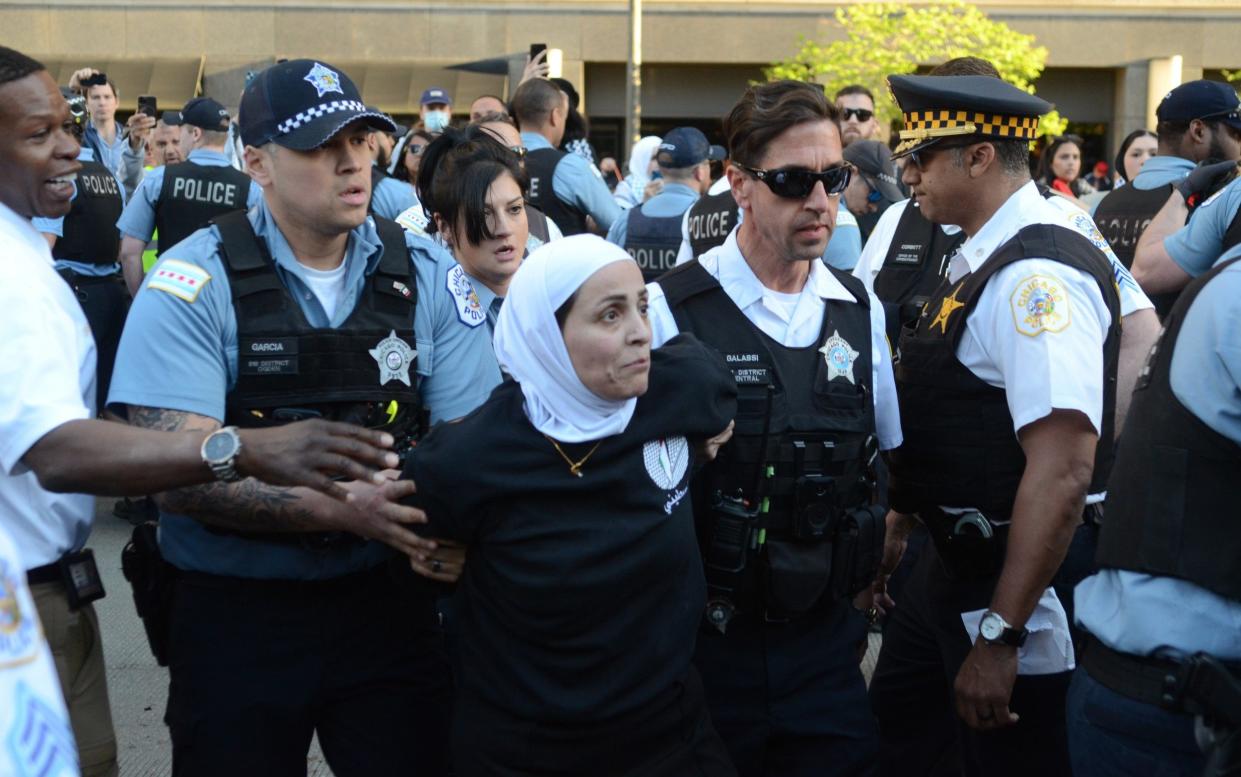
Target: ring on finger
436 565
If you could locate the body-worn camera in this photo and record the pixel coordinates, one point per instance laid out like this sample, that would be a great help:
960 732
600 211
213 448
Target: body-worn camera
814 514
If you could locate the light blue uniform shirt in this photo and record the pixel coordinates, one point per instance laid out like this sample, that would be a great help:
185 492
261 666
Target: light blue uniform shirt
392 197
182 356
1196 246
1138 613
124 162
138 220
57 227
1161 171
575 184
672 201
845 246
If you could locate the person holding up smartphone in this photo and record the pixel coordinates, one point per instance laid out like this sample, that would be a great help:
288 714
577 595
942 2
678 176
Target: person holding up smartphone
122 152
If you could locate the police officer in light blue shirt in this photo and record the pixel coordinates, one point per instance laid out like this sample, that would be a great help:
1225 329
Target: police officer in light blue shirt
211 186
563 186
290 619
1169 585
651 231
1199 219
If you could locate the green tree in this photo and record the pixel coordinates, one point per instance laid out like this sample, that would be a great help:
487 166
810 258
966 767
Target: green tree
883 39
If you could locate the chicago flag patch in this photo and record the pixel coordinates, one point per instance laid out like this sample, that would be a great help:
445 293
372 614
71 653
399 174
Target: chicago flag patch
180 279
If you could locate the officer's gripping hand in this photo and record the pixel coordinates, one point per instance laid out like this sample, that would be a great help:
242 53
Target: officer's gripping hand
1204 180
708 449
445 563
310 453
373 511
984 686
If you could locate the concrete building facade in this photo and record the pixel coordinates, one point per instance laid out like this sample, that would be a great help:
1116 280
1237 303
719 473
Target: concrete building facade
1109 60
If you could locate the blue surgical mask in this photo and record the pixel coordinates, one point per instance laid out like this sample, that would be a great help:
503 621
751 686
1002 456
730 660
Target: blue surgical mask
436 121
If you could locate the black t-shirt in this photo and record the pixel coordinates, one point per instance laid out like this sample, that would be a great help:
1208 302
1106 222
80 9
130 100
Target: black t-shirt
581 597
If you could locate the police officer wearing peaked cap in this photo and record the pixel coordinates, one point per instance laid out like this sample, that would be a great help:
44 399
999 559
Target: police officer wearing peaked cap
181 198
289 618
651 231
1007 388
784 515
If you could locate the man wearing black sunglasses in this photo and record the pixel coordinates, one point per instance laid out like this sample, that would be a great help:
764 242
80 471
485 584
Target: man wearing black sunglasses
804 341
857 114
1007 389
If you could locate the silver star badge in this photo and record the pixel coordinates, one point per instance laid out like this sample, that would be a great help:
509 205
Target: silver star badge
839 356
394 357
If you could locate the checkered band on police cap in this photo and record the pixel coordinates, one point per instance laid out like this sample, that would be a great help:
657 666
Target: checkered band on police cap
302 104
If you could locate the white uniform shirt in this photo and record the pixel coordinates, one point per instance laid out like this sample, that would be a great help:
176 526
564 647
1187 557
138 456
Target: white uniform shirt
797 328
1132 298
47 378
34 724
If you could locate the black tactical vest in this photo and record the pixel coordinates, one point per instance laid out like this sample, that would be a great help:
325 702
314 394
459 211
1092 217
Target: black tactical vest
1171 510
194 194
653 242
541 169
711 218
796 413
960 448
90 234
1122 216
1233 235
363 371
916 263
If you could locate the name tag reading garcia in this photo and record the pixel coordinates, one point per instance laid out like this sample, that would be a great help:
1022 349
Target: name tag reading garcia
268 356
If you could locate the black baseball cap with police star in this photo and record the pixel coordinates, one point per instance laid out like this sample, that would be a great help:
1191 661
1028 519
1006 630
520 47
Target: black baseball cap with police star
302 104
201 112
938 107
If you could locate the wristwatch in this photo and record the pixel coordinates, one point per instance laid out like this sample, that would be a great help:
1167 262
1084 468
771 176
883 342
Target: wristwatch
220 451
994 630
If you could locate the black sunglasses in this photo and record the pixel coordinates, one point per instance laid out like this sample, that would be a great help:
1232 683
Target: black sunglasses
97 79
861 114
920 156
797 184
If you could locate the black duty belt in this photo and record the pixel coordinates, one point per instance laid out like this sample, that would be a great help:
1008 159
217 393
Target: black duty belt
1147 679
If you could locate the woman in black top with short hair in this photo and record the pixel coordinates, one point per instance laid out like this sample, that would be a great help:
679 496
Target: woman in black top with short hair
583 589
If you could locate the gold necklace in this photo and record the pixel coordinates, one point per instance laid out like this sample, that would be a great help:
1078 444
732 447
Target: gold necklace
575 467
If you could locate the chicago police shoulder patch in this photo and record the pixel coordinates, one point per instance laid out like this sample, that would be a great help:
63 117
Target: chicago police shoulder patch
414 219
178 278
1040 304
469 309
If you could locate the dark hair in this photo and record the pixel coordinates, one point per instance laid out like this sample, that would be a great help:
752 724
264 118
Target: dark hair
396 166
1045 173
1124 149
562 312
534 101
855 89
765 111
15 65
966 66
457 170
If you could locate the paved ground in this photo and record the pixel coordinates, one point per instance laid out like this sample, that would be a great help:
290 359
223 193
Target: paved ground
138 687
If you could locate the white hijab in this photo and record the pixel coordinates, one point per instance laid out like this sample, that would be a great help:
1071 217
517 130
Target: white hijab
531 348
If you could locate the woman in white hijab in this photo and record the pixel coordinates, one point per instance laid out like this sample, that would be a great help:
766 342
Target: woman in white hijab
583 590
632 190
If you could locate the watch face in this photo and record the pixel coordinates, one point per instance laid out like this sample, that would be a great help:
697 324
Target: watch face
219 447
991 627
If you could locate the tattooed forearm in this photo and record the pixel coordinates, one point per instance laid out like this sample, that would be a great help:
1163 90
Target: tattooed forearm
248 505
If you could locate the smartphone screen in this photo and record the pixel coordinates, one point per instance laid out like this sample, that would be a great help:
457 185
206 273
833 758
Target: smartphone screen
147 105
